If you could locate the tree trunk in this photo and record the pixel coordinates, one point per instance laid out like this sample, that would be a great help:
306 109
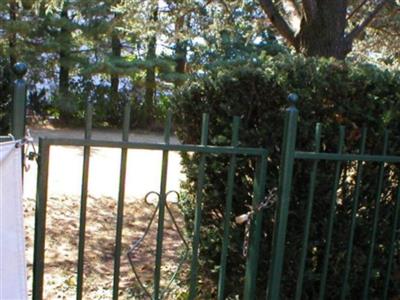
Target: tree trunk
180 51
322 26
12 40
116 53
150 75
150 80
63 74
180 60
324 33
65 37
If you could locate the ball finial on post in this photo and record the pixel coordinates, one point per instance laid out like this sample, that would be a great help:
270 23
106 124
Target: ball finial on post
20 69
293 99
19 101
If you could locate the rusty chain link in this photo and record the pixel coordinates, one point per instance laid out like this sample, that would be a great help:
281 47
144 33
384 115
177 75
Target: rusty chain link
247 217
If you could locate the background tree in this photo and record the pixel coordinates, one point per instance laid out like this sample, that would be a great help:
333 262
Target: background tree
323 27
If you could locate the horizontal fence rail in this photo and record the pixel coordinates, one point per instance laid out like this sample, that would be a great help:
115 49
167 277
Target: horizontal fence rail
154 146
347 157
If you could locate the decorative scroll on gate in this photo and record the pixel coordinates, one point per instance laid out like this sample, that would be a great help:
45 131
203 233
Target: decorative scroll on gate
136 245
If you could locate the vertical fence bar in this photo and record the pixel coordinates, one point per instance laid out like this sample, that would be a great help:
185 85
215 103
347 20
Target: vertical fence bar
19 102
353 218
285 184
331 217
395 232
84 195
228 210
40 220
376 217
161 211
255 230
310 200
121 198
198 208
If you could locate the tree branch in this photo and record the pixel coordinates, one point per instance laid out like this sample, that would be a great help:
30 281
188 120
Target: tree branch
279 22
359 28
356 9
293 12
295 7
310 9
192 9
388 32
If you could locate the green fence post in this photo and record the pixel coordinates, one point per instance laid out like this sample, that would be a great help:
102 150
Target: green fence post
19 101
40 220
309 210
121 198
84 197
161 212
285 184
394 233
197 214
228 210
255 230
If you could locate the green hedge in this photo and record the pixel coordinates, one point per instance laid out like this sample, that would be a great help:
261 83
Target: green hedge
335 93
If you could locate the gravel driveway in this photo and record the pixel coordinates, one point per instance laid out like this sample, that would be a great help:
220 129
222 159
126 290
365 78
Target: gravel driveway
143 170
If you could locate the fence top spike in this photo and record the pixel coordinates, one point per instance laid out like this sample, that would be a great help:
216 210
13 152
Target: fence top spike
20 69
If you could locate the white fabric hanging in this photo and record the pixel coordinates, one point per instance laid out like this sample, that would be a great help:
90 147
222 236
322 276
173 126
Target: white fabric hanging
12 238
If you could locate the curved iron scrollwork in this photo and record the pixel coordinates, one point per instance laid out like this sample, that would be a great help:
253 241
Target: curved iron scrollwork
135 246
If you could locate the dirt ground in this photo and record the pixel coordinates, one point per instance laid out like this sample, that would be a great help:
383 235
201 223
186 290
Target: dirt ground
143 176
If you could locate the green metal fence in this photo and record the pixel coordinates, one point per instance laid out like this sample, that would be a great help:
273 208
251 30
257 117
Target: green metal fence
289 157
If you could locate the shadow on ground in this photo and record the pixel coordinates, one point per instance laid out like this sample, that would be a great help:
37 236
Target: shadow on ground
61 255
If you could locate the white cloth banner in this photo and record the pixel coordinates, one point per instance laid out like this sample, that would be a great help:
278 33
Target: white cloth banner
12 238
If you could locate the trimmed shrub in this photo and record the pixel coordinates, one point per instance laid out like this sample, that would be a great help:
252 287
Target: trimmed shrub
334 93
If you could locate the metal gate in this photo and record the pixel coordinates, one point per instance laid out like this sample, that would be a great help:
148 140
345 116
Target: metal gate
203 150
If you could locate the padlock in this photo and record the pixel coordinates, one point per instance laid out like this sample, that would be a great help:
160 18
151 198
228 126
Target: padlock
32 155
242 219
